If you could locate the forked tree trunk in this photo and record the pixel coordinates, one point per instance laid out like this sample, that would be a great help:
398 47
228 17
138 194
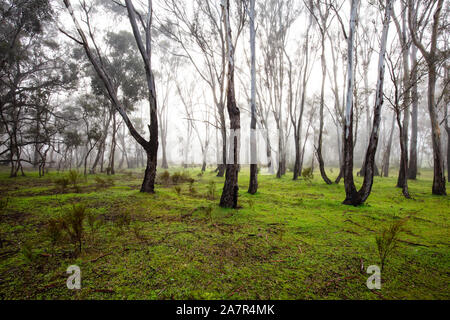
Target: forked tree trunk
354 197
151 146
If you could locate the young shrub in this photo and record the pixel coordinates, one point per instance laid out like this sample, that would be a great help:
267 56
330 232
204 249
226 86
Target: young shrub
176 177
54 231
211 190
208 211
185 177
178 190
387 240
110 181
62 183
192 189
180 177
3 203
73 224
74 178
137 231
27 252
307 174
123 220
251 204
93 222
100 182
164 178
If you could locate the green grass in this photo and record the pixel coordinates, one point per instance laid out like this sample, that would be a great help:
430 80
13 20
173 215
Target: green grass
291 240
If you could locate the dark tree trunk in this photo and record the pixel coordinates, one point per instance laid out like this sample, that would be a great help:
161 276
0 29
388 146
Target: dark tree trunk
403 171
297 169
253 187
229 196
203 166
403 159
97 157
352 195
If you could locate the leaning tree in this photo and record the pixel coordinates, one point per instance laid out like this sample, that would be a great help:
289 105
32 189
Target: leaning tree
141 24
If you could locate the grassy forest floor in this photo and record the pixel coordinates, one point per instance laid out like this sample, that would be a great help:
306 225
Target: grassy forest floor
292 240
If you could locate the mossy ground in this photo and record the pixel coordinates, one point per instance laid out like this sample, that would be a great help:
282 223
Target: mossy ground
291 240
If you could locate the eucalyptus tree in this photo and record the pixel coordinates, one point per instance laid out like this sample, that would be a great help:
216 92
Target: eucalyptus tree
204 46
297 104
431 53
31 72
253 185
394 99
275 19
141 25
230 190
322 13
403 36
90 115
354 197
366 43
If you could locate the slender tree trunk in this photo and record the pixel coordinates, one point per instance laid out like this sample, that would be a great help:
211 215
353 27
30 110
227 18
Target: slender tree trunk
297 171
431 58
229 196
112 153
253 185
438 178
412 168
322 103
403 158
387 152
223 131
352 195
164 163
369 161
448 152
